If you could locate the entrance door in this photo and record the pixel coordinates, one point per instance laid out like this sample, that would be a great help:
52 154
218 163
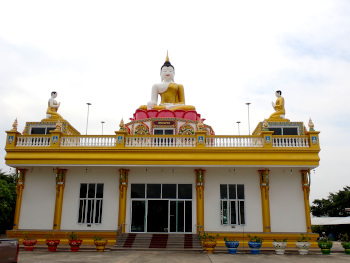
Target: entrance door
157 216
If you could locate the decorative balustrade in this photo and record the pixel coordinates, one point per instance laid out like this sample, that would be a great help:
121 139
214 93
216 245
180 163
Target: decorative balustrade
163 141
296 141
160 141
234 141
32 141
88 141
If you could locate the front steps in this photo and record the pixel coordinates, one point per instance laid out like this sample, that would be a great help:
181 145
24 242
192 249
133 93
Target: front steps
178 242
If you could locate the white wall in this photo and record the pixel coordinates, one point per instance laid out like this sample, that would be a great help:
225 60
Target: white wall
38 200
287 209
247 176
161 175
109 176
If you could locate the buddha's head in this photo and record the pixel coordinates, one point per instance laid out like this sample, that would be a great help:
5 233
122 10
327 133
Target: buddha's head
167 71
54 94
278 93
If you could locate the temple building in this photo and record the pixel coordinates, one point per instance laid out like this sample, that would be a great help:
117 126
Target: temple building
164 172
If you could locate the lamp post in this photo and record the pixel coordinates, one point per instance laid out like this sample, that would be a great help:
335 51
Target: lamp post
239 132
87 119
102 122
248 103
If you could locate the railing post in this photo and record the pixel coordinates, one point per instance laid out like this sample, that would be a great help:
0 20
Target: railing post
267 136
313 140
120 139
12 138
55 138
200 137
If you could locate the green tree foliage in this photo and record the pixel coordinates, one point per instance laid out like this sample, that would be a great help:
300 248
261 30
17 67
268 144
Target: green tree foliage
334 206
7 200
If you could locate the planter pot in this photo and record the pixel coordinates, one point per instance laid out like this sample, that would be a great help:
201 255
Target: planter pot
325 247
29 244
346 246
209 246
303 247
52 244
280 247
254 247
100 245
232 246
75 244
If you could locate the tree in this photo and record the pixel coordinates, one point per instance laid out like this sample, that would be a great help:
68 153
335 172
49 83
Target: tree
7 200
334 206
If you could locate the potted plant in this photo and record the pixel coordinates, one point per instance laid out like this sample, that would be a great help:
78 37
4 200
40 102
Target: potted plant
52 242
325 245
208 242
303 244
255 244
345 242
74 242
100 243
280 246
231 245
29 242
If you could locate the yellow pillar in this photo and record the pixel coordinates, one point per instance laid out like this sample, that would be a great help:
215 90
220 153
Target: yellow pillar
306 189
200 199
265 201
200 137
21 174
60 183
123 187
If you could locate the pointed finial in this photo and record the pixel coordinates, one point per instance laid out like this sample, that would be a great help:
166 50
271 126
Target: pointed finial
122 126
58 125
167 57
311 125
15 125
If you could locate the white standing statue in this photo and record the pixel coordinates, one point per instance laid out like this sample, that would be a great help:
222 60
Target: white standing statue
172 94
52 108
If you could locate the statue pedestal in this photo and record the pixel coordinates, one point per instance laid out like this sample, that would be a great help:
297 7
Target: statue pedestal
181 114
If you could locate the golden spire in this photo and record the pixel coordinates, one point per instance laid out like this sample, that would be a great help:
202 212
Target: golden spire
167 57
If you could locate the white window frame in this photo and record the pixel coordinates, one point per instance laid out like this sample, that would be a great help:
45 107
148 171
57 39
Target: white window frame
93 201
237 208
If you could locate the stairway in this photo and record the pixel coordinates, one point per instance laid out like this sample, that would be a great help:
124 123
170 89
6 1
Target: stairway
178 242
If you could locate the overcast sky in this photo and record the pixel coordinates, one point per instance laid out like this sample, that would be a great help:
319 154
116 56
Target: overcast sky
225 53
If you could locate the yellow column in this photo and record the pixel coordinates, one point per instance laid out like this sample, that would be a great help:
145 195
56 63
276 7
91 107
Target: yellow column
21 174
306 189
123 187
60 183
200 137
200 199
265 202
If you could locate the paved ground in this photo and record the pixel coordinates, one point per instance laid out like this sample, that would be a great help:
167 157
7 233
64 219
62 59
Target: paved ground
39 256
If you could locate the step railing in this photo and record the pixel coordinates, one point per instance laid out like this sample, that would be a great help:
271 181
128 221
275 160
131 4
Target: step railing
234 141
160 141
34 141
292 141
88 141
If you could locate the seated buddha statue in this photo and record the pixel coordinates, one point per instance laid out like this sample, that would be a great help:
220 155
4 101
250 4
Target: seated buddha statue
278 107
53 105
172 94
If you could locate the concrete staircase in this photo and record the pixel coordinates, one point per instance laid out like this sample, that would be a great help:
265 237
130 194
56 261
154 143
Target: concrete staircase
176 242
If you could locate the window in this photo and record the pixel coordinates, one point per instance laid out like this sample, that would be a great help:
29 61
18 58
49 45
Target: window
232 204
284 130
163 131
90 203
41 130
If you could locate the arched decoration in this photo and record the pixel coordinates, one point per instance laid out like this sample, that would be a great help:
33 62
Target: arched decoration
141 129
186 129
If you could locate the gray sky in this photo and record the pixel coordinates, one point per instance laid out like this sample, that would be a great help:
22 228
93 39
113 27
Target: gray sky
225 53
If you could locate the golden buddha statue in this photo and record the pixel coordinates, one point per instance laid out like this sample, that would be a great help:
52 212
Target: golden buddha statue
278 107
53 105
172 94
